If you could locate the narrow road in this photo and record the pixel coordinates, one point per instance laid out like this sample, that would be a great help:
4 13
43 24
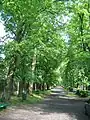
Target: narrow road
54 107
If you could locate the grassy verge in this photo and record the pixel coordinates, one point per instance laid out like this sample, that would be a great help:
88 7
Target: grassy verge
31 99
71 94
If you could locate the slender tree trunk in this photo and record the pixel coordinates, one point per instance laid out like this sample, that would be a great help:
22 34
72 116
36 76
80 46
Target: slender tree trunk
37 86
27 87
34 86
40 86
10 79
18 88
33 69
11 85
43 86
81 17
48 86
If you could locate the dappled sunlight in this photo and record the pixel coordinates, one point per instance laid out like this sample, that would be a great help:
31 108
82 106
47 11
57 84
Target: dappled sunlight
44 59
36 113
53 107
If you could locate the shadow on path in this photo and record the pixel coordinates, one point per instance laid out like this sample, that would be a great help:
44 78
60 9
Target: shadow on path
55 103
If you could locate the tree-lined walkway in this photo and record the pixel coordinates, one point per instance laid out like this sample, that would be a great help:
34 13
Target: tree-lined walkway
54 107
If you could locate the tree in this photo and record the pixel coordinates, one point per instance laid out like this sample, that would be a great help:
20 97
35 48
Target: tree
32 27
78 52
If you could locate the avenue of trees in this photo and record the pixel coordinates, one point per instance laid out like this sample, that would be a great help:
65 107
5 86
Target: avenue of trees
47 43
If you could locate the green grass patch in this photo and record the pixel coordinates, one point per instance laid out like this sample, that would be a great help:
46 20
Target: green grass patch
36 97
71 94
30 100
42 93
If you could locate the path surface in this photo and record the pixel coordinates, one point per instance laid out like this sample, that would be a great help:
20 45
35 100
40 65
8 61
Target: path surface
54 107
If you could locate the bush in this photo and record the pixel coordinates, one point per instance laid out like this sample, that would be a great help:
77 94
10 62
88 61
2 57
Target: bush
37 91
82 93
70 89
88 87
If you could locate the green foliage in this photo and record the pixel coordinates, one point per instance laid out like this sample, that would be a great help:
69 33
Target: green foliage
70 89
78 92
50 42
76 72
3 70
30 100
82 93
34 29
34 98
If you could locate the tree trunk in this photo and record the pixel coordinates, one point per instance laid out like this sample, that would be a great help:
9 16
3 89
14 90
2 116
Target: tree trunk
12 68
34 86
40 86
48 86
20 89
33 68
43 86
37 86
30 88
27 87
10 78
18 84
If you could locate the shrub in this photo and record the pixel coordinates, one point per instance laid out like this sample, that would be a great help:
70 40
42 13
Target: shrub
88 87
83 93
70 89
36 92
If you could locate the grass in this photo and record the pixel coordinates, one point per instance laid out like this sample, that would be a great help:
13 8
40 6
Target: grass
36 97
71 94
42 93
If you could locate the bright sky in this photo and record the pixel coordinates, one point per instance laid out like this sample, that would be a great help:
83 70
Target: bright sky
2 31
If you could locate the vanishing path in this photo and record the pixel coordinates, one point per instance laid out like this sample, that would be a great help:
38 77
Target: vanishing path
54 107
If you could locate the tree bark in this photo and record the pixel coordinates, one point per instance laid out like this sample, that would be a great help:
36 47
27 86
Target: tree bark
48 86
34 86
33 68
43 86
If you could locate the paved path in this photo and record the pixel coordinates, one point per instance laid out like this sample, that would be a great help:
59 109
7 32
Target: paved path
54 107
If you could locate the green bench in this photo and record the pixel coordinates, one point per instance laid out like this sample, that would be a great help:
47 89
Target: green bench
3 106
